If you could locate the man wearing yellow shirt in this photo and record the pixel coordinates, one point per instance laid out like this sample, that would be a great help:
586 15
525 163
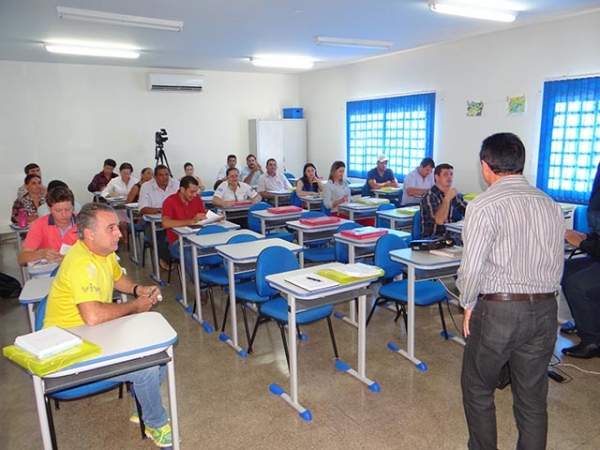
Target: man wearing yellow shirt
82 293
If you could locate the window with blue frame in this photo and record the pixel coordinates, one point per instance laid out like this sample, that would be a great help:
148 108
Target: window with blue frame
399 127
570 139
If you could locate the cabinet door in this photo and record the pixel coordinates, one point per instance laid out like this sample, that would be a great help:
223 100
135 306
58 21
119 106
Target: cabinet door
294 146
269 141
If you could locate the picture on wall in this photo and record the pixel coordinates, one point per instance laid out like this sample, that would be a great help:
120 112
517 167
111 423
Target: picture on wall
474 109
516 105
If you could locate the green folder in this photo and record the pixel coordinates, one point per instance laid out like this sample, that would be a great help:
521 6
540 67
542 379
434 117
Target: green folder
53 363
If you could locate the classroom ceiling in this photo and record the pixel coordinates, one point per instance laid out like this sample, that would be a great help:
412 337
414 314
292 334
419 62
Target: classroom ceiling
220 35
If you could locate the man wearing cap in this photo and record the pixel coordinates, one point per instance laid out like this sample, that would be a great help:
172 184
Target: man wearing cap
380 176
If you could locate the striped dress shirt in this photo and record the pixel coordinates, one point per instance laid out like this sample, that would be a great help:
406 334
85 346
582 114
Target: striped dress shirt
513 242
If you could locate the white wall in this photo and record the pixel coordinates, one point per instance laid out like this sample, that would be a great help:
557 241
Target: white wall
487 68
69 118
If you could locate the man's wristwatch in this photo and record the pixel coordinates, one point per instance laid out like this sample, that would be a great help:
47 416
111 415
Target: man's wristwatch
135 294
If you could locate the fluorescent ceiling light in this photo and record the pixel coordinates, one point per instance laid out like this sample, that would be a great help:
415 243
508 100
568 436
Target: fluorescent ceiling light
88 15
90 49
359 43
282 63
475 12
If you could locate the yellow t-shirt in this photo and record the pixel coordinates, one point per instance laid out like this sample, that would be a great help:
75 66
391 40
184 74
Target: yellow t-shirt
83 277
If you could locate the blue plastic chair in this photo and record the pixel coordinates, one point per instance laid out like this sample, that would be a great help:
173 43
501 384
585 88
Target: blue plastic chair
289 176
86 390
580 219
426 292
212 259
324 209
416 226
274 260
254 223
381 222
295 199
245 291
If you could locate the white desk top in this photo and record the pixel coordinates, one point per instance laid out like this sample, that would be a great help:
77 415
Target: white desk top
277 281
35 290
185 231
280 193
206 241
395 214
153 217
311 198
358 207
124 339
455 227
18 229
248 251
423 260
132 206
235 208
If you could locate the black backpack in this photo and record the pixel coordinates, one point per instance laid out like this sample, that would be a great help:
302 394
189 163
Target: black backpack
9 286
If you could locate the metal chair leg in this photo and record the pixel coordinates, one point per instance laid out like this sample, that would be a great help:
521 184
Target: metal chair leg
330 325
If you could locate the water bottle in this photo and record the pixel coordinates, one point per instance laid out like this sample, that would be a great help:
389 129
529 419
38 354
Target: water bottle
22 218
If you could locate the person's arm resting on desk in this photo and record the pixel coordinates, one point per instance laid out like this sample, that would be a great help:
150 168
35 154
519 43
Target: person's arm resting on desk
167 222
94 312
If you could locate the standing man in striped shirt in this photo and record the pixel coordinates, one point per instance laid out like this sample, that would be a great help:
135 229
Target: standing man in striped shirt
510 272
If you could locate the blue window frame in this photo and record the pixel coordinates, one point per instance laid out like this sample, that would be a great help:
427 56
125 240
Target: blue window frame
399 127
570 139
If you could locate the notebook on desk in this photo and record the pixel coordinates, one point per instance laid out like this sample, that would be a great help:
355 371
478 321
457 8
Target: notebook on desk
311 282
47 342
316 221
285 209
364 233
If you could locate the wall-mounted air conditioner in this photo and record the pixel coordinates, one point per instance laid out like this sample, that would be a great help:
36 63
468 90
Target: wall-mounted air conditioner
175 82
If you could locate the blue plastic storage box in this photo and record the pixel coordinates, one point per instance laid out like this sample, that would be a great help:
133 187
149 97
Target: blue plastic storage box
292 113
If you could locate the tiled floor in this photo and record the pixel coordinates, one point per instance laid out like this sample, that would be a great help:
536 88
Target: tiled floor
225 403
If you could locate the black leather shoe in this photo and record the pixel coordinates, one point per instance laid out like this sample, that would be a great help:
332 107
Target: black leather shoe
583 351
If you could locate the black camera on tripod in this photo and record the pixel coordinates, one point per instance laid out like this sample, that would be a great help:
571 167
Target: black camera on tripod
160 137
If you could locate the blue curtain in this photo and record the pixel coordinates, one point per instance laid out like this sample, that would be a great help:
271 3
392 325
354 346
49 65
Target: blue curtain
399 127
570 139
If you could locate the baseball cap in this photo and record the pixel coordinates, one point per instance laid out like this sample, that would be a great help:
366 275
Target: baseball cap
382 158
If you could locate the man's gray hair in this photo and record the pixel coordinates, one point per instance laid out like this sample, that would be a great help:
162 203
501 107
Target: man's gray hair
87 216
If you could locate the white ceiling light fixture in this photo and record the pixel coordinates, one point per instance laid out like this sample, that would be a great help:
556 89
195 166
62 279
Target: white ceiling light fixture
354 43
282 62
87 15
92 49
466 9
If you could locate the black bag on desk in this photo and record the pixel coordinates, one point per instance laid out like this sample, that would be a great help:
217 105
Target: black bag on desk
424 245
9 286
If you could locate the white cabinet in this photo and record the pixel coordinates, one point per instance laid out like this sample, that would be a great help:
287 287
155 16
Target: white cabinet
284 140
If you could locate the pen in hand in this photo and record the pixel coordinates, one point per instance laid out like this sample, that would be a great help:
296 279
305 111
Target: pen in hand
152 292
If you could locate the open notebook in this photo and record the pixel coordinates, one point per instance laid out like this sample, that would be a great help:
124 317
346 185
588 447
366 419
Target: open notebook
311 282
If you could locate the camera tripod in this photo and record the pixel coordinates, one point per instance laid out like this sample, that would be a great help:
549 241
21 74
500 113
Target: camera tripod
161 158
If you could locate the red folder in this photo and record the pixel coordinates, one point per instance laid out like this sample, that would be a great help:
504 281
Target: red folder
285 209
316 221
364 233
242 203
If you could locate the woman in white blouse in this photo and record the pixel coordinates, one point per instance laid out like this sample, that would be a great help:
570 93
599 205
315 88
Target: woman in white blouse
120 187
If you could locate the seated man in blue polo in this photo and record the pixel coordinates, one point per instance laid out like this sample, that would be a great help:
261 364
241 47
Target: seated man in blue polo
441 204
380 176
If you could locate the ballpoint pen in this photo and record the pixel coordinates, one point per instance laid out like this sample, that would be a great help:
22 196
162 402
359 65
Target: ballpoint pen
152 292
314 279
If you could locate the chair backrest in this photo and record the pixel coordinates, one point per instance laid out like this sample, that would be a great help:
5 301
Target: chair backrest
416 226
384 245
211 229
341 250
311 214
253 222
54 271
580 219
382 222
365 190
289 176
324 209
295 199
40 314
270 261
400 194
207 193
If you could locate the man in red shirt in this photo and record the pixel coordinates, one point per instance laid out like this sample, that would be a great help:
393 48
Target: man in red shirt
181 209
50 232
